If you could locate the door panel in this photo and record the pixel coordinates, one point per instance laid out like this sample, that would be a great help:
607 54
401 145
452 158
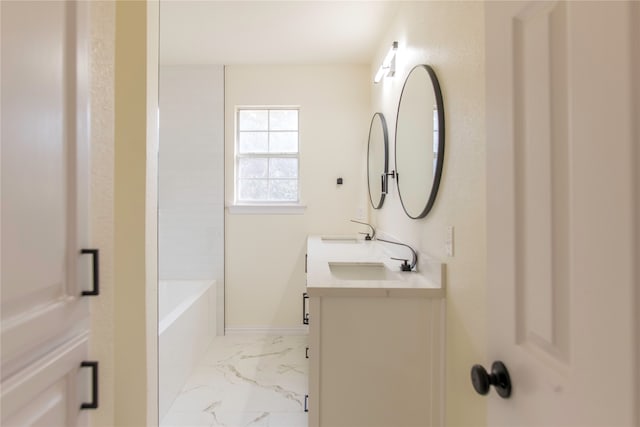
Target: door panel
560 186
43 201
34 155
48 392
541 179
44 209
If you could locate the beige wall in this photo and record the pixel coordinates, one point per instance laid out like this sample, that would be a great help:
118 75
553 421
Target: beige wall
265 254
135 213
635 71
449 36
102 226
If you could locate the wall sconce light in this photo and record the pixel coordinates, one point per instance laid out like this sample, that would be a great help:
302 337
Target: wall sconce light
388 67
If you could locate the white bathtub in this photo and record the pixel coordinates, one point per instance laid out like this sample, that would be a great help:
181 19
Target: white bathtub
186 326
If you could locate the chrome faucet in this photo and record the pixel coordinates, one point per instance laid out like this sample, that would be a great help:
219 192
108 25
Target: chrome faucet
404 266
373 230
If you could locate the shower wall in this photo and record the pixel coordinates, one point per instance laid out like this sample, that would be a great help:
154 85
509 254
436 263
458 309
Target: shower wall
191 180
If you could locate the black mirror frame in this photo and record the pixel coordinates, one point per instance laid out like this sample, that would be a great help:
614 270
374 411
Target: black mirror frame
385 132
437 175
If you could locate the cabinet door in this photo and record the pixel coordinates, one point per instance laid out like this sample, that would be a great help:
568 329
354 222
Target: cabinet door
44 211
313 402
379 362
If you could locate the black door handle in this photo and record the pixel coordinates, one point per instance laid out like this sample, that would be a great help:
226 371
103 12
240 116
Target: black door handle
499 378
96 272
94 386
305 314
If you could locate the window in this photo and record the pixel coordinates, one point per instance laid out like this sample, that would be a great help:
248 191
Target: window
267 156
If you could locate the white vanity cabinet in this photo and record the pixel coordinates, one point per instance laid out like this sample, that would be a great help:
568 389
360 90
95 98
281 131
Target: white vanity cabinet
376 346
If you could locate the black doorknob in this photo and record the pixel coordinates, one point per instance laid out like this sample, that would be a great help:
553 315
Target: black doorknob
499 378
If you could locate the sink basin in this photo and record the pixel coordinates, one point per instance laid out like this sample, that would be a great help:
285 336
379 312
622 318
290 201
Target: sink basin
339 239
361 271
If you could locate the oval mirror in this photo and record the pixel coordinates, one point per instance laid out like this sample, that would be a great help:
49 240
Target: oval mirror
419 141
377 159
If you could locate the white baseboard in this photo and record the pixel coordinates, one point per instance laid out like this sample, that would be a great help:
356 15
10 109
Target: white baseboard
266 330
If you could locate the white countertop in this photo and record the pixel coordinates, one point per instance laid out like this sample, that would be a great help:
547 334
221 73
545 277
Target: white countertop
322 280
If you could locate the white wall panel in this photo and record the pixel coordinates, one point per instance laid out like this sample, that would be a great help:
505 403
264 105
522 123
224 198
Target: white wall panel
191 173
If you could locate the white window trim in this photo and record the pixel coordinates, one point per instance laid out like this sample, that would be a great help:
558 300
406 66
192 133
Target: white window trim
266 209
268 206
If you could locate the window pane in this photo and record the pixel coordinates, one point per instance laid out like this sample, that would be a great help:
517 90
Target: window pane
264 132
252 190
252 168
283 119
253 119
283 168
283 142
253 142
284 190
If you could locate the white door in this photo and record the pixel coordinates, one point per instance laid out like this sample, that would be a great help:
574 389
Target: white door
45 321
561 221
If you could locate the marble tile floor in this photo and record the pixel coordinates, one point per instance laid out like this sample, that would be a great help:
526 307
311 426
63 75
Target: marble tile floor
245 381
